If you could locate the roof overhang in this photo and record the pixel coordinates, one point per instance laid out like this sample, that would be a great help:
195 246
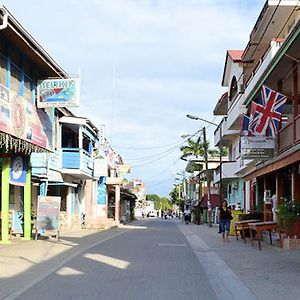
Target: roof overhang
17 34
269 24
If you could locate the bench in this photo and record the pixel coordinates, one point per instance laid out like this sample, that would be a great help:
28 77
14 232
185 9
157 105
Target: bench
242 225
259 228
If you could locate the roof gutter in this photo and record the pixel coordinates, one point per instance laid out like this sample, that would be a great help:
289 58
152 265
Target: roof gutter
4 18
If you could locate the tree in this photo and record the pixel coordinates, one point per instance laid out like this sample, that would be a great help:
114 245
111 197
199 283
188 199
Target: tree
176 197
155 199
165 204
194 148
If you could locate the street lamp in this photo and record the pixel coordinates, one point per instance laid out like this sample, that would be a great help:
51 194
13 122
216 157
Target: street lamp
220 147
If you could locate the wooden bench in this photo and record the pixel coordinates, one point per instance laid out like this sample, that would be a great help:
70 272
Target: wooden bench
242 225
259 228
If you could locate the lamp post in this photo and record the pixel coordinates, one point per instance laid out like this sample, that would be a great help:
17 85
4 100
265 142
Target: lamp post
220 150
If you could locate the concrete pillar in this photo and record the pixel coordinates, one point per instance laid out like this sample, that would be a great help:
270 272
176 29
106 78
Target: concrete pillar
27 206
5 200
117 202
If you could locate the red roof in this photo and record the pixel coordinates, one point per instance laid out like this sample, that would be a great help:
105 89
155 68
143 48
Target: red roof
236 55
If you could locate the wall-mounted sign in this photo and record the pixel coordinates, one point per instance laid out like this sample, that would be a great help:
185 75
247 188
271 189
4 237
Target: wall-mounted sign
257 147
21 119
58 92
18 170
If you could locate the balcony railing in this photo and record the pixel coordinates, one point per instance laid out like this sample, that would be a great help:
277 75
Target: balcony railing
222 132
77 160
289 135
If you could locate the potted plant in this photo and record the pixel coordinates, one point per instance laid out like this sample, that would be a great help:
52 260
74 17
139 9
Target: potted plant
289 217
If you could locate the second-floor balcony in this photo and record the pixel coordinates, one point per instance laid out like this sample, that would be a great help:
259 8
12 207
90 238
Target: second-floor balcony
77 162
224 134
289 135
228 171
72 161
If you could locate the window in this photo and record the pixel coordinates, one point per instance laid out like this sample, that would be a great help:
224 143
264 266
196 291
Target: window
233 89
27 89
2 70
15 79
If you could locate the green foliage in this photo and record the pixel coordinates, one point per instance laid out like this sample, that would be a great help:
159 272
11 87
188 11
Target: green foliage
175 197
194 148
165 204
159 203
289 211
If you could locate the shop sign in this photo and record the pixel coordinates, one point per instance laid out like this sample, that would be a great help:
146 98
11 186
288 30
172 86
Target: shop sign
22 119
48 213
58 93
257 147
100 167
18 170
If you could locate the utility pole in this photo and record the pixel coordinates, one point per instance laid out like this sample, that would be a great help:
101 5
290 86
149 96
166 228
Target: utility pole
207 178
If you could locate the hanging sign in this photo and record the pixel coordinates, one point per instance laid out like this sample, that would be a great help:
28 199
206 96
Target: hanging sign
257 147
58 93
18 170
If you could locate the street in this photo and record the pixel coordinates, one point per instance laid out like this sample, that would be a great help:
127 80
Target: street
150 259
153 262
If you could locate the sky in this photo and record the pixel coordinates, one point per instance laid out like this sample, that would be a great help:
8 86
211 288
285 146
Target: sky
144 65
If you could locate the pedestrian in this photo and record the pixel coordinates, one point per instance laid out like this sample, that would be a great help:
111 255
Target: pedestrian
224 219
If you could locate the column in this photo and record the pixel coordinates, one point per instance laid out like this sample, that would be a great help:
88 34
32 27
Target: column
117 203
27 205
5 200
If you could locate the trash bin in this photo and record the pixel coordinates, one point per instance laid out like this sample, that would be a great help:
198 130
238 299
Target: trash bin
235 214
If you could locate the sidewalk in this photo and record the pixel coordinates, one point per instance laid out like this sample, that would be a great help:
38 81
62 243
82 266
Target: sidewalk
23 262
272 273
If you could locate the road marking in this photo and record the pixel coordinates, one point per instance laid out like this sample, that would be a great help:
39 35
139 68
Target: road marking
224 281
171 245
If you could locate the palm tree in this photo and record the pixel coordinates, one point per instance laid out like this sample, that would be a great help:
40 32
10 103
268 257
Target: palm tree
196 148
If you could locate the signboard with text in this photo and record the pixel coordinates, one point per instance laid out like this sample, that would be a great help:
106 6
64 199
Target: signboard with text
58 93
257 147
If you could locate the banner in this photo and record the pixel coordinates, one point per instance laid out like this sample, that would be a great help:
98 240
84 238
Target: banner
58 93
18 170
257 147
101 193
22 119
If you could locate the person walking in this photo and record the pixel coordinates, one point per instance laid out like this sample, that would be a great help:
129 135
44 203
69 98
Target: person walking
224 219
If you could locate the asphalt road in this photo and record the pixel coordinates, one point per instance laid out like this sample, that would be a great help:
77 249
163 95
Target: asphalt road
151 261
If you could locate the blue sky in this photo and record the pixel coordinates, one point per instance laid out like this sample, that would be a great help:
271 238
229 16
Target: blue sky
144 65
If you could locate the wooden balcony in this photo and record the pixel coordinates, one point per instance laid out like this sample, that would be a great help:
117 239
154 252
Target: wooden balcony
77 162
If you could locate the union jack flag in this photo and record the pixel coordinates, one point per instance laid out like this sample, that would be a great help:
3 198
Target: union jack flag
265 115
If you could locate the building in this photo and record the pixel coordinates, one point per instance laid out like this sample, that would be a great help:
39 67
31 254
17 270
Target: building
270 59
